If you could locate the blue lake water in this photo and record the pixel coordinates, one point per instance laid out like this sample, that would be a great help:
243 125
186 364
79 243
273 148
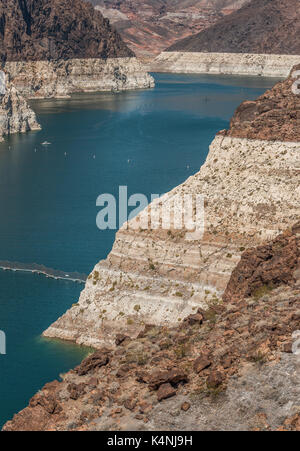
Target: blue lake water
150 141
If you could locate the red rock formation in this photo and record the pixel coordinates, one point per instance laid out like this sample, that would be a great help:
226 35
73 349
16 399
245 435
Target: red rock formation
260 26
266 267
32 30
274 116
149 26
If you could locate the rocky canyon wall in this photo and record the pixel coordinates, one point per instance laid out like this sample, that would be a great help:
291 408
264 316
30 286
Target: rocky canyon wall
224 63
251 191
40 79
52 49
16 116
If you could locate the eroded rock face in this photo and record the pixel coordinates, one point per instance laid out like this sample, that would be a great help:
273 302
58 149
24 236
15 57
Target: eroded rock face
15 114
265 65
273 116
33 30
157 277
40 79
149 26
160 277
266 267
260 26
236 370
52 49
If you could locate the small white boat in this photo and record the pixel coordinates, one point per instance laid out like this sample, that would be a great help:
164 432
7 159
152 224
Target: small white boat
46 143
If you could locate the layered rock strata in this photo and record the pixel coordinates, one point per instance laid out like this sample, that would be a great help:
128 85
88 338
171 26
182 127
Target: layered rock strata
52 49
251 193
234 366
267 65
260 38
39 79
16 116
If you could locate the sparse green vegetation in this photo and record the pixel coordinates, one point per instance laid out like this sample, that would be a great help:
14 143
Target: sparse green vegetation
264 290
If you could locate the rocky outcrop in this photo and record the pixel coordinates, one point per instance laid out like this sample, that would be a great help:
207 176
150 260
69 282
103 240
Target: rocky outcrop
259 27
45 30
15 114
223 63
160 276
193 323
236 369
39 79
52 49
273 116
261 38
264 268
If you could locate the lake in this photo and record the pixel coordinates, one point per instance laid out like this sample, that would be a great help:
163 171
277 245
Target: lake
149 141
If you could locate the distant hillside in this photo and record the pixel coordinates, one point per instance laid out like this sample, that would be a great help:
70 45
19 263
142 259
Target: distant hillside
149 26
261 26
33 30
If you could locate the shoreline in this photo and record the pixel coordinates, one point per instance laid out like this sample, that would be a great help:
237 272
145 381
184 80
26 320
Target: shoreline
250 64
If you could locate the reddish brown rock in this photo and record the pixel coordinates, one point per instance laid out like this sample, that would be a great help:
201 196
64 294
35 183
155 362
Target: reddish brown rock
149 26
263 268
48 402
197 318
76 391
130 404
185 406
260 26
274 116
96 360
123 370
201 364
165 391
174 376
33 30
215 379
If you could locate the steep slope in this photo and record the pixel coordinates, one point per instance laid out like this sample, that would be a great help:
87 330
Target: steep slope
260 26
232 367
15 114
250 185
149 26
263 38
34 30
53 48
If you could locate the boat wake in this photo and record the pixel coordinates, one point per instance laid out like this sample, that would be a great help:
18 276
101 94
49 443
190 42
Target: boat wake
43 270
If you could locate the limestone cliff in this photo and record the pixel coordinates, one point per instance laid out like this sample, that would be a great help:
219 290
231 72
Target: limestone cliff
266 65
15 114
261 38
54 48
251 193
39 79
